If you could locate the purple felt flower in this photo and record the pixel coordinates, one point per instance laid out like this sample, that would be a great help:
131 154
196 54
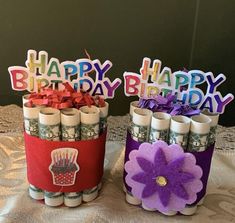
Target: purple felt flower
163 177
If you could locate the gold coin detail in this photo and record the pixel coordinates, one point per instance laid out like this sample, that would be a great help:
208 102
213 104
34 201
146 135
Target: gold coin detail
161 181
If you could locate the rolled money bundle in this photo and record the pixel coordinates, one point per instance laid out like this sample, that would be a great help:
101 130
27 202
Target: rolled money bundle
53 199
90 194
49 129
103 116
179 130
214 122
189 210
160 125
35 192
31 114
141 124
49 124
72 199
131 199
199 133
133 106
25 98
90 118
70 124
70 131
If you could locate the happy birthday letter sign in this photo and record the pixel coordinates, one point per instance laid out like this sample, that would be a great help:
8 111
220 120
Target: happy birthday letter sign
83 74
152 80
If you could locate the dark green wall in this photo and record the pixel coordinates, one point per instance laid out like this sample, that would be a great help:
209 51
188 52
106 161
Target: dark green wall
182 33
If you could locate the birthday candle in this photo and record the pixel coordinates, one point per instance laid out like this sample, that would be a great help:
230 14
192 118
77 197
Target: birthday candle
70 124
141 124
90 118
160 124
213 126
179 130
199 132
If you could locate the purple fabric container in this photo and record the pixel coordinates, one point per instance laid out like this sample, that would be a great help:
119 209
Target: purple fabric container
203 159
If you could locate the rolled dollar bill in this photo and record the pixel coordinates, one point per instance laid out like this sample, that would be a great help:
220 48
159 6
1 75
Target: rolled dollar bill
31 114
140 126
133 106
103 116
53 199
49 124
214 122
72 199
131 199
179 130
49 129
35 192
199 133
160 125
90 119
25 98
70 131
70 124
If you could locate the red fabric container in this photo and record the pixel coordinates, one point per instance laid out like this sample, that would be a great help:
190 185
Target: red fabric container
87 173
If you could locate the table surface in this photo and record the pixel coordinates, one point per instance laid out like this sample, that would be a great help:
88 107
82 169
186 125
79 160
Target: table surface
110 206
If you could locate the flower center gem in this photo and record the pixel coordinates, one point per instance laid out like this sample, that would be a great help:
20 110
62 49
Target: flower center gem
161 181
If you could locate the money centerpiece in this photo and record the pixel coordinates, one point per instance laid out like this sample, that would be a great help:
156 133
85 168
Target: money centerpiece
173 120
65 120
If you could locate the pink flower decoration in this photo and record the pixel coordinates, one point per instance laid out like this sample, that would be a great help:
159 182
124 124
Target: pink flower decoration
163 177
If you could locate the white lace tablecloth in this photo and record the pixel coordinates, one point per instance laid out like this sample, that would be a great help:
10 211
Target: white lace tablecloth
110 206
